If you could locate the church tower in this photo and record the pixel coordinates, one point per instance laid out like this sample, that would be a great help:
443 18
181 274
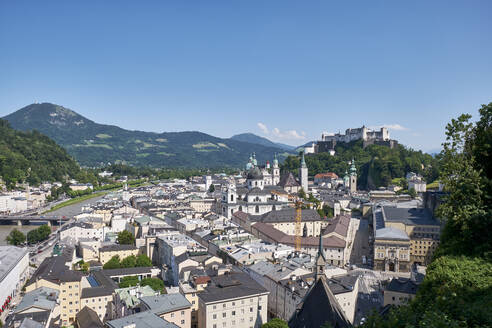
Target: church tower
353 177
320 259
303 174
276 171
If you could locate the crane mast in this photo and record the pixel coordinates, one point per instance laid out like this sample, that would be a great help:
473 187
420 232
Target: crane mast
298 225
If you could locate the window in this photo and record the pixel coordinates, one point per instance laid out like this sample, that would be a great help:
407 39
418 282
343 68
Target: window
215 316
224 315
172 315
214 326
182 312
233 312
250 319
257 209
182 322
224 305
259 307
215 307
192 302
250 309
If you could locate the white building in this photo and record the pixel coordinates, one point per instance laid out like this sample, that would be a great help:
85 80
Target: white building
232 300
14 263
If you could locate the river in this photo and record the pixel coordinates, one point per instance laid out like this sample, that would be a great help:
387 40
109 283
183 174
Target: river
67 211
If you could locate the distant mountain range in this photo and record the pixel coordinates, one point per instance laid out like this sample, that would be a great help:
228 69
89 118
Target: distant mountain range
94 144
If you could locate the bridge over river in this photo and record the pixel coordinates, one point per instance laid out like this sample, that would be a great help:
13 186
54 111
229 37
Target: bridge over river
27 219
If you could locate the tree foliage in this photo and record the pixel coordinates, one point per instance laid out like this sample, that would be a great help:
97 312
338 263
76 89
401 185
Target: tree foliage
457 290
39 234
154 283
126 238
32 157
376 165
143 261
16 238
275 323
129 262
113 263
129 281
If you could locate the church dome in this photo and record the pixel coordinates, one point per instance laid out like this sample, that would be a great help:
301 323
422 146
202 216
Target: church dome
255 174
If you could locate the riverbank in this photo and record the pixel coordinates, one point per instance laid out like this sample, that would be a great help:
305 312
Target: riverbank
75 201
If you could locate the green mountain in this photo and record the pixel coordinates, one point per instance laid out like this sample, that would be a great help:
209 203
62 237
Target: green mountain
93 144
32 157
254 139
377 166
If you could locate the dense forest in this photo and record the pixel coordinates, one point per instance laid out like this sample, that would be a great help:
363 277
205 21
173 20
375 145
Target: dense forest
457 290
32 157
376 165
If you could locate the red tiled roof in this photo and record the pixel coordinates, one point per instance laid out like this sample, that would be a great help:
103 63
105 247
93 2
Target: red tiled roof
282 238
329 175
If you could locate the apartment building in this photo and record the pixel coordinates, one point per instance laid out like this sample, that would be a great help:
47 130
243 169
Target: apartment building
107 252
173 308
232 300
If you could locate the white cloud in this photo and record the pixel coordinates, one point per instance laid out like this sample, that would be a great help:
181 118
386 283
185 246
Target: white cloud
288 134
279 135
263 127
394 127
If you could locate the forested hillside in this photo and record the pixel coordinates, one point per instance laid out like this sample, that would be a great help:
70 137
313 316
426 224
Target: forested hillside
376 165
457 290
32 157
93 144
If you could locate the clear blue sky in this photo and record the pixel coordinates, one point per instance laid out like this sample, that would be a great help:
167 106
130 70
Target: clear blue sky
222 67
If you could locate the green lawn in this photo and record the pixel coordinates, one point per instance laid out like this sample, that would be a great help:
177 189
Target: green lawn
433 185
76 200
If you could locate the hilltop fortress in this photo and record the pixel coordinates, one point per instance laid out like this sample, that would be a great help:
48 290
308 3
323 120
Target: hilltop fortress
329 140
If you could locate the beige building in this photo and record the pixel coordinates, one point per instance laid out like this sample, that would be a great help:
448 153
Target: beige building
203 205
107 252
99 295
400 291
174 308
403 237
190 290
232 300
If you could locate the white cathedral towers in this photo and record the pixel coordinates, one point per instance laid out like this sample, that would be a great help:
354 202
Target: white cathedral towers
261 176
303 174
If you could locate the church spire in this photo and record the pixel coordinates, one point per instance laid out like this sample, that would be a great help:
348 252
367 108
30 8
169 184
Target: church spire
320 259
303 161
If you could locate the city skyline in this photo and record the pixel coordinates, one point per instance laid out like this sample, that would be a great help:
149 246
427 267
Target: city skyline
280 70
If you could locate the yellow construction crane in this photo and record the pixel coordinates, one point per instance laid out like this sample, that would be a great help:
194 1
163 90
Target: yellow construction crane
298 224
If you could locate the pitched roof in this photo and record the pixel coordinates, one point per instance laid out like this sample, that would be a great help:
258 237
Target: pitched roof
145 319
117 247
287 180
282 238
285 215
88 318
318 307
165 303
229 286
403 285
338 225
327 175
